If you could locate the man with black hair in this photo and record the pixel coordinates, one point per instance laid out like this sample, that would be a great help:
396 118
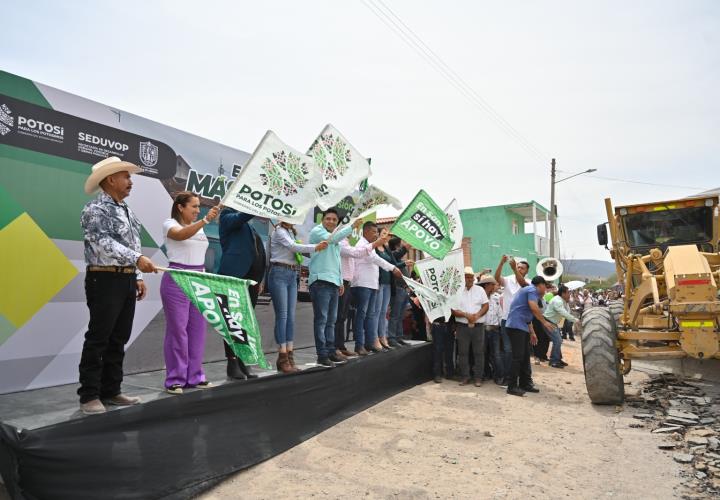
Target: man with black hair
555 312
511 285
364 288
523 309
326 286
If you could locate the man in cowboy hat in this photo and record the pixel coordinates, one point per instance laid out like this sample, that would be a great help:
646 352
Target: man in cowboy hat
113 282
470 318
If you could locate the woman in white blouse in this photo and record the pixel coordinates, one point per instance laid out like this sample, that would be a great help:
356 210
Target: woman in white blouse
285 260
186 244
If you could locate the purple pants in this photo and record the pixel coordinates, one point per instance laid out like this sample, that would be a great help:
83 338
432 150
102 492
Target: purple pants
184 333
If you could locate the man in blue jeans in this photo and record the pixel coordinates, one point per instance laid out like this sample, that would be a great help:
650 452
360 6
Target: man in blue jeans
326 286
365 285
555 312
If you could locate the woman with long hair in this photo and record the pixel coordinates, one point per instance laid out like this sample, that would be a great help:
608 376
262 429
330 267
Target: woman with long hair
186 244
285 259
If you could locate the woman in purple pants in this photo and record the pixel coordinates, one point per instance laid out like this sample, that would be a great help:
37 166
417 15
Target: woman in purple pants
186 244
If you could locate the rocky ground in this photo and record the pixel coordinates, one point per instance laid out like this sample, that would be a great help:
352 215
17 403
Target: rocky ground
447 441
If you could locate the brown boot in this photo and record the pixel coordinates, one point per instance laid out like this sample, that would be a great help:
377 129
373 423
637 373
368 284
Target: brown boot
283 363
292 362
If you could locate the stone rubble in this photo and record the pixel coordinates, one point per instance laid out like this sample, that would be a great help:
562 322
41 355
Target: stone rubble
681 411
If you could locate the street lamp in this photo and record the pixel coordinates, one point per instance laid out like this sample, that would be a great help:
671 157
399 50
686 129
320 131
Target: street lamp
553 212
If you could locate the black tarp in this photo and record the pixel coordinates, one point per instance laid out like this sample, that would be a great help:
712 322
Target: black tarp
177 447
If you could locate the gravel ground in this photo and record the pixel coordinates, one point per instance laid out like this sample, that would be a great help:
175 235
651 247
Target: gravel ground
447 441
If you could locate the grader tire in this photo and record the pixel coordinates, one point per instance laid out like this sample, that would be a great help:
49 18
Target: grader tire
601 363
617 308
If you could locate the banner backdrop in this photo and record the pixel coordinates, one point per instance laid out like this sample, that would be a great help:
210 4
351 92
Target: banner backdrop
278 182
425 226
224 302
342 166
444 277
456 228
434 304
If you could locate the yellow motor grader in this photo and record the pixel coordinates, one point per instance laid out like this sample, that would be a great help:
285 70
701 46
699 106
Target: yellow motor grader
668 263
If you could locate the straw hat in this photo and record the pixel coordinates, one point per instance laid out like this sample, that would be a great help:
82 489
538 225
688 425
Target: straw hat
469 270
106 167
487 278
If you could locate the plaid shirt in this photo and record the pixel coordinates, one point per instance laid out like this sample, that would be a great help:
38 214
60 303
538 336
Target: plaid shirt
112 233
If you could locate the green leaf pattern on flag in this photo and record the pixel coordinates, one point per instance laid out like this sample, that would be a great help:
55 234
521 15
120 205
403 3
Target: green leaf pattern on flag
450 281
225 303
284 173
331 154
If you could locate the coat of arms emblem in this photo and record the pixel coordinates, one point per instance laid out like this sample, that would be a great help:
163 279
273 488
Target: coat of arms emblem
148 154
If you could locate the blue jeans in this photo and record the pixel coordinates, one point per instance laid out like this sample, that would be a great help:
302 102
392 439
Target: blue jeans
282 283
556 351
324 296
363 297
492 337
397 311
506 349
382 301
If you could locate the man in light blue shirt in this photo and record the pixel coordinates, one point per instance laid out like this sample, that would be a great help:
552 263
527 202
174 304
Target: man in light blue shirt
555 312
325 280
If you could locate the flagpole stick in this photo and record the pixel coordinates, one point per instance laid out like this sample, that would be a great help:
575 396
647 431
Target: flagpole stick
164 269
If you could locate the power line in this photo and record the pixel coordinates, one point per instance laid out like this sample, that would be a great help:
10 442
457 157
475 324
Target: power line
614 179
415 42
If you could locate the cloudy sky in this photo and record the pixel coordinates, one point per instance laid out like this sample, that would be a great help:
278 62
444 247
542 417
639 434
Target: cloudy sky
628 88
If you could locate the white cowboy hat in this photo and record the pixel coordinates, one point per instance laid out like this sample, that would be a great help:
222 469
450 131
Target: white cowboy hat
469 270
106 167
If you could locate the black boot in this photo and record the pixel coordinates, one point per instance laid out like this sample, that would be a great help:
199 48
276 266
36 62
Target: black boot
246 371
233 369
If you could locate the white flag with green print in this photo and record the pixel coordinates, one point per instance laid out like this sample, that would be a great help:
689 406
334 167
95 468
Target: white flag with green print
277 182
445 277
454 223
433 303
342 167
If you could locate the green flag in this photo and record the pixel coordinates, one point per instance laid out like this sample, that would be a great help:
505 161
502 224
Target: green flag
224 302
425 226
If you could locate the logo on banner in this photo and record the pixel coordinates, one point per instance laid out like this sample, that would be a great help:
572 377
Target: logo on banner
284 173
149 153
452 223
450 281
334 164
6 120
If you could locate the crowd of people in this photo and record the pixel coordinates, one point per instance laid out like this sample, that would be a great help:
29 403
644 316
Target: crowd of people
499 319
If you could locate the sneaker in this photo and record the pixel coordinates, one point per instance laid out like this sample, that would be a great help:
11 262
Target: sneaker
204 385
563 363
338 359
93 407
174 389
530 388
325 362
123 400
557 365
514 391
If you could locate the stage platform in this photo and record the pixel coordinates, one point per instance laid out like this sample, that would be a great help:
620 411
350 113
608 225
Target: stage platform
174 446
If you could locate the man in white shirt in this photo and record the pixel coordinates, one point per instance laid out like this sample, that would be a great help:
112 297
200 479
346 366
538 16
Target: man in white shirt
472 306
364 289
511 286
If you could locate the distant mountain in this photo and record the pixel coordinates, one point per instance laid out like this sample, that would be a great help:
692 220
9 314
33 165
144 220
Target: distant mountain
588 268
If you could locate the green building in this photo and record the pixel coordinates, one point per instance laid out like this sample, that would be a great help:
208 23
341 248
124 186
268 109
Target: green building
519 230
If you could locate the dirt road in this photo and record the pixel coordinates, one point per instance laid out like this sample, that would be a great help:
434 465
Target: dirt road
447 441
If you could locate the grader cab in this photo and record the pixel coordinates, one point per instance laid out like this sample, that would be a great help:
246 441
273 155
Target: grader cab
668 264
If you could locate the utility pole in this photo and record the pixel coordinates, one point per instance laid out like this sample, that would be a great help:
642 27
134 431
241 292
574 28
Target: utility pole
552 208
